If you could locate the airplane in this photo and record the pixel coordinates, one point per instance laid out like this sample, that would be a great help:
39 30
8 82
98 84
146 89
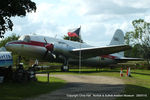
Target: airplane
69 52
6 63
5 58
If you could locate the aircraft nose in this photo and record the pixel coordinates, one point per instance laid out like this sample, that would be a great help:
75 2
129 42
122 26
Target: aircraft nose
8 46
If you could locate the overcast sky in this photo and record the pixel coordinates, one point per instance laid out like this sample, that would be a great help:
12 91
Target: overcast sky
98 18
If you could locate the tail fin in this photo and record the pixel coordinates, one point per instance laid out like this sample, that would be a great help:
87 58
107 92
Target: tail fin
118 39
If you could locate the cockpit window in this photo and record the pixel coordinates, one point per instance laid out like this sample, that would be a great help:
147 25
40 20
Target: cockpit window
21 38
25 38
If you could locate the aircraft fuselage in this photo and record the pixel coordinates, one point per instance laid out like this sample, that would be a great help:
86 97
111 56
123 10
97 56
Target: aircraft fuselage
36 47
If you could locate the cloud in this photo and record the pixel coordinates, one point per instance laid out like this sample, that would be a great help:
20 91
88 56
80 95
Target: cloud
133 3
110 7
98 18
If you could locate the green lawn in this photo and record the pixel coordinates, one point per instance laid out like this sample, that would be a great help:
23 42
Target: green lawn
16 91
139 83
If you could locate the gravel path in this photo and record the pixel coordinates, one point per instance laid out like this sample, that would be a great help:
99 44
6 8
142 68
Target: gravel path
83 87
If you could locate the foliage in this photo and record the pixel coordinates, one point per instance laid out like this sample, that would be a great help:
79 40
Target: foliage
140 36
134 52
12 8
8 39
141 33
73 38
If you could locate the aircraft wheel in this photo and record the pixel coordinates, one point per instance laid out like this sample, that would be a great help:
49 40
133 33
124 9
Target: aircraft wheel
65 68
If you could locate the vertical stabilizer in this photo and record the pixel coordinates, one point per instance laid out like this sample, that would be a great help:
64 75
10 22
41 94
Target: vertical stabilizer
118 39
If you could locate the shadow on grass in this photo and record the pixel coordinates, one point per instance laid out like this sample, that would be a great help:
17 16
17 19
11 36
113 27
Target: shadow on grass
15 91
138 92
88 91
19 91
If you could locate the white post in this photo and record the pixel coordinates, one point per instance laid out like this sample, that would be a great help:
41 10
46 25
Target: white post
80 54
80 59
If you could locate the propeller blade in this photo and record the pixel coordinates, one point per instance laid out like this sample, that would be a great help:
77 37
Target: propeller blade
45 40
54 56
46 49
49 49
45 54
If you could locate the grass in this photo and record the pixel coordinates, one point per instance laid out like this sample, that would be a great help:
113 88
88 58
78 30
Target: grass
139 83
16 91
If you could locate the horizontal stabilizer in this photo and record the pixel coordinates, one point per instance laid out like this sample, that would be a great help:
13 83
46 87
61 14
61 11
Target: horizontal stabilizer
125 59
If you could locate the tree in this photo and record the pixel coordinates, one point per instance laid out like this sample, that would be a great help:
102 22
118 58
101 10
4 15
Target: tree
12 8
8 39
141 36
134 52
72 38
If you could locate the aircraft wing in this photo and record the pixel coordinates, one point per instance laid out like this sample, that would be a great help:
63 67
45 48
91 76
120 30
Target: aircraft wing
99 51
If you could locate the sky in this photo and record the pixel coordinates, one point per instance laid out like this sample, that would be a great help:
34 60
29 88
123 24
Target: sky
98 18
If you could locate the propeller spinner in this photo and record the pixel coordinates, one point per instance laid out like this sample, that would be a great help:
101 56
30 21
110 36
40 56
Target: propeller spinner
49 49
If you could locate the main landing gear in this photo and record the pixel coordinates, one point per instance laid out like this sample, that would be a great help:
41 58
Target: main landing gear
65 66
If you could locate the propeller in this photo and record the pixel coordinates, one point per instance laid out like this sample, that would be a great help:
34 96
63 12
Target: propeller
49 49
